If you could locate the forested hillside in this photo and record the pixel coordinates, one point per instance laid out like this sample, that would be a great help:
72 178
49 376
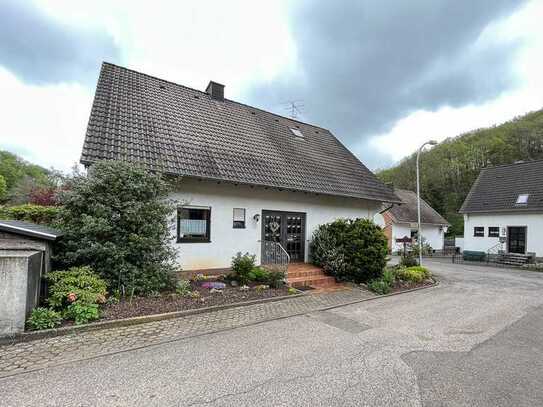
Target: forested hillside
19 178
449 169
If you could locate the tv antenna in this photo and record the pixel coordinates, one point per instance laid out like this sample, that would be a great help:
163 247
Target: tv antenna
294 108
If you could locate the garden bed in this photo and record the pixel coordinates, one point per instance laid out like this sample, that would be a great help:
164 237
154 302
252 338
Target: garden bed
399 286
171 302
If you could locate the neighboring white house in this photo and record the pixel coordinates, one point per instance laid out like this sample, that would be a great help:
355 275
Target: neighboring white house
401 221
246 176
504 210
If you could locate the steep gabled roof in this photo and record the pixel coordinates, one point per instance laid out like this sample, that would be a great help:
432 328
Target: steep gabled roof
181 131
407 211
497 189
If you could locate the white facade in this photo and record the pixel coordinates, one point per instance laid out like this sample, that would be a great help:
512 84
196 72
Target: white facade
532 221
226 241
434 235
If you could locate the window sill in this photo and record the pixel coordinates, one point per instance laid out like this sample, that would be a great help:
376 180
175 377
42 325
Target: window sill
193 241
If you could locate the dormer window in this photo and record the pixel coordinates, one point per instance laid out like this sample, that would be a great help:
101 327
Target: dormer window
522 199
297 133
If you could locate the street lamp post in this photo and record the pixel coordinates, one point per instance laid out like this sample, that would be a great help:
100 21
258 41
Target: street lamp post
419 233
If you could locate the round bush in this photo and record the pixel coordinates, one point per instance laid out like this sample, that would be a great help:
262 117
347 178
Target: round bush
351 250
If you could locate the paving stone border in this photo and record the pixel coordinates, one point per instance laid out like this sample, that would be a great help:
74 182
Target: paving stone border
22 357
66 330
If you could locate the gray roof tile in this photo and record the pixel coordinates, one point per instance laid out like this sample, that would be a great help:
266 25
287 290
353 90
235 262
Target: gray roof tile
181 131
407 211
497 188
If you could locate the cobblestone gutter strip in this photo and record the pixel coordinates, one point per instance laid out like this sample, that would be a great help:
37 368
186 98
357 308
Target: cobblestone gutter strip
48 333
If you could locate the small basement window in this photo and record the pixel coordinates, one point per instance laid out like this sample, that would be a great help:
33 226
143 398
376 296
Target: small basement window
493 231
297 133
479 231
522 199
193 224
239 218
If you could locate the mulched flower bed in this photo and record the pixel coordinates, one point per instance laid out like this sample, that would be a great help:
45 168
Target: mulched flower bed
170 302
409 285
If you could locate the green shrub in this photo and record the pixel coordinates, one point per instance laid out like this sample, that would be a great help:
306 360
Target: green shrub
116 219
388 277
415 274
259 274
242 266
351 250
379 286
183 287
44 215
77 284
408 260
44 318
82 313
276 279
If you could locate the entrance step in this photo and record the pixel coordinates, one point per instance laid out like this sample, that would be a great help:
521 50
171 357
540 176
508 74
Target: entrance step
308 275
513 259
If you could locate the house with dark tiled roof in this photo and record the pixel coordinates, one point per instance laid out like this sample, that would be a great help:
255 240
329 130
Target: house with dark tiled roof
247 176
504 210
402 220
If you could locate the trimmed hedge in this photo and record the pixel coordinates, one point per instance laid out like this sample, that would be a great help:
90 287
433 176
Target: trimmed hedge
350 250
44 215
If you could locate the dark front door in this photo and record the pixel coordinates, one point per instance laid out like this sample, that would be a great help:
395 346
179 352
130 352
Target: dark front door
287 228
516 239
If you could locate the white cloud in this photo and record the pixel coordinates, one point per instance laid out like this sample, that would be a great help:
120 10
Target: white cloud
411 131
43 124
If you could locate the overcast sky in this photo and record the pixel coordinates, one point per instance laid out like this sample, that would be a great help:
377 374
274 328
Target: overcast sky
382 75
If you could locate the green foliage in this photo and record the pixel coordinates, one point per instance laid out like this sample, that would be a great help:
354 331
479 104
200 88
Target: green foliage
292 291
379 286
82 313
350 250
259 274
19 174
408 260
183 287
415 274
388 277
44 318
242 266
116 220
82 282
449 169
45 215
276 279
3 188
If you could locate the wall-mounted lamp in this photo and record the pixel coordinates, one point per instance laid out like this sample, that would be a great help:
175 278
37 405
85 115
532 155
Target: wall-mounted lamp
256 217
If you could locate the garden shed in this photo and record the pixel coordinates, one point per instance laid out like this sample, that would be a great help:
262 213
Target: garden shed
25 255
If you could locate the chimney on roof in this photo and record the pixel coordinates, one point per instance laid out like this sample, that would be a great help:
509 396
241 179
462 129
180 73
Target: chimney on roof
215 90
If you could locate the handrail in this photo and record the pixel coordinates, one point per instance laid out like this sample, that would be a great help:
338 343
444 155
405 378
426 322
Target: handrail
275 255
493 250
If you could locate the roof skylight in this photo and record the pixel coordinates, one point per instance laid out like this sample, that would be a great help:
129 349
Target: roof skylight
297 132
522 199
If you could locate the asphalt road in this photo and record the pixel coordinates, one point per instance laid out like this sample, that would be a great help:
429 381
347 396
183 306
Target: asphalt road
476 340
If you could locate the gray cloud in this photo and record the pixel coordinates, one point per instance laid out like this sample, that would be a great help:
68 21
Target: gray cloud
366 64
39 49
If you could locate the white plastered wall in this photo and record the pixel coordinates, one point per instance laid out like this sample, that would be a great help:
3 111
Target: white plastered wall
433 234
227 241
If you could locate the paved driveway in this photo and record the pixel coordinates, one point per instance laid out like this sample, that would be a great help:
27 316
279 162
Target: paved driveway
477 339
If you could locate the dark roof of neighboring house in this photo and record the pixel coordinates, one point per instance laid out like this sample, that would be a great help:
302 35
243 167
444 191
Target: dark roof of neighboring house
407 212
498 188
29 229
181 131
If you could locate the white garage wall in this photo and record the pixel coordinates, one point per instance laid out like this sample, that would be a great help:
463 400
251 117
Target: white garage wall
434 237
534 231
226 241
